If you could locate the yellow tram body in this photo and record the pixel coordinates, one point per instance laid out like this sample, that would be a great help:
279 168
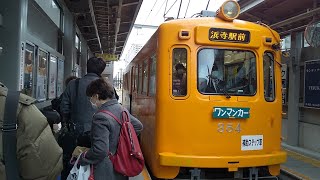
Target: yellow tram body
182 131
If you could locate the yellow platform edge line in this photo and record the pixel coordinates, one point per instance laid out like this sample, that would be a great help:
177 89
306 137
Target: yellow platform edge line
295 173
303 158
145 174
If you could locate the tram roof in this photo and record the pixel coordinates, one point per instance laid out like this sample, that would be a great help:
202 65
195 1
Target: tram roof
105 24
284 16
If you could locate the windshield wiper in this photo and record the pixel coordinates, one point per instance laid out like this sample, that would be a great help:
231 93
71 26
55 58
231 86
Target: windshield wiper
225 92
223 89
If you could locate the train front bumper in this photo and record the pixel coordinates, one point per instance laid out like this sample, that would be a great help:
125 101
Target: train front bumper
230 162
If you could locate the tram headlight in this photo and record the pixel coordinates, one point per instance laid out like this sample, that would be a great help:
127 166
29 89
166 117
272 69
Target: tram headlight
229 10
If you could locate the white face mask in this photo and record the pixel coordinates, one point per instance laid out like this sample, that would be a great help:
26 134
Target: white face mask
94 105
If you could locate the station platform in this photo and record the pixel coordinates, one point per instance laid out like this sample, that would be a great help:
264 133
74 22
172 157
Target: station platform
301 163
143 176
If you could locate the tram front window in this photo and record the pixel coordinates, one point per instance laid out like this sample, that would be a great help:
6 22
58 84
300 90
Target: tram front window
228 72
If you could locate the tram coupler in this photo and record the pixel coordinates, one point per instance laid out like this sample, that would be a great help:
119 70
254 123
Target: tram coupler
195 174
253 174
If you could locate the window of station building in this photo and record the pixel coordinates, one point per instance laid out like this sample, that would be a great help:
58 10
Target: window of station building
42 71
226 72
29 70
152 82
286 43
52 9
179 72
140 79
305 43
268 76
145 76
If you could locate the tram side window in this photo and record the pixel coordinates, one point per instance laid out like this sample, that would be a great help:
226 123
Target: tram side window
140 79
152 82
145 76
125 81
135 69
179 72
128 81
268 73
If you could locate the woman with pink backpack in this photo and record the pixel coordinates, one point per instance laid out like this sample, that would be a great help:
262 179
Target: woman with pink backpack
115 152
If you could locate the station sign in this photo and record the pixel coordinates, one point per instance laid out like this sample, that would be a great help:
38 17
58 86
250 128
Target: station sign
108 57
229 35
312 84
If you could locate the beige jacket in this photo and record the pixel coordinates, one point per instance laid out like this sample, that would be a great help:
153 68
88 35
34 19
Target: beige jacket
38 153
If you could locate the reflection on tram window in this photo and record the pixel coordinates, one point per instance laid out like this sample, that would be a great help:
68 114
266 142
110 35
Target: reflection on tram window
228 72
42 75
28 70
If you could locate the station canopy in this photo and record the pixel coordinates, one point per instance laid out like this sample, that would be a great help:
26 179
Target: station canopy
284 16
105 24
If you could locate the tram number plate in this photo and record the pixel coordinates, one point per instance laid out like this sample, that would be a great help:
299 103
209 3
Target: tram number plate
250 143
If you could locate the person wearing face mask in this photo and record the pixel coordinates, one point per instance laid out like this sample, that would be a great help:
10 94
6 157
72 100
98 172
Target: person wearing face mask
77 112
105 131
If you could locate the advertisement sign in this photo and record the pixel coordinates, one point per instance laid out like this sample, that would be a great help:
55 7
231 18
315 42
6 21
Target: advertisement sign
312 84
52 77
21 78
60 77
42 70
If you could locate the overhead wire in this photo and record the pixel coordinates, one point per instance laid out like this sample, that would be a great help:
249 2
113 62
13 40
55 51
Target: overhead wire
164 12
179 9
186 9
151 10
160 8
207 4
170 8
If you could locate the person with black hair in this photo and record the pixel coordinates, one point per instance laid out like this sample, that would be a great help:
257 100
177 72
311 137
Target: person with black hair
180 80
77 111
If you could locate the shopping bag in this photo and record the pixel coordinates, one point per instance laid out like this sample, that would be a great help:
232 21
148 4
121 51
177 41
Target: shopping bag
81 173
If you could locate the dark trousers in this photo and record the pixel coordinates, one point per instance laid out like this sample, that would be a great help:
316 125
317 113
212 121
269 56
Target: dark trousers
68 143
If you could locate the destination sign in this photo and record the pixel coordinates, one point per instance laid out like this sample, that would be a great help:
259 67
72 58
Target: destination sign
229 35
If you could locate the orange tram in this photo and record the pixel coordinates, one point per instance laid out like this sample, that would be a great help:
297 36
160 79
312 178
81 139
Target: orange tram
208 92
